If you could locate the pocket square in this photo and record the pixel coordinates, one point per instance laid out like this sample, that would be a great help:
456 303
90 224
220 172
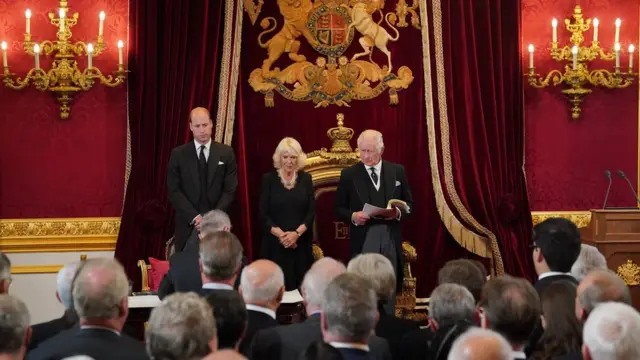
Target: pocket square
220 163
397 183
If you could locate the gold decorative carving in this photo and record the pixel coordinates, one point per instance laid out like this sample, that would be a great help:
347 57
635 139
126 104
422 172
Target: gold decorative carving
328 26
253 9
35 269
403 9
58 235
580 218
630 273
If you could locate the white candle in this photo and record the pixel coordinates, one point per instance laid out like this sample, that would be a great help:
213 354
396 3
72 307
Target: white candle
36 50
62 15
120 57
531 56
617 49
27 14
90 55
596 23
4 54
631 50
554 25
101 28
618 23
574 51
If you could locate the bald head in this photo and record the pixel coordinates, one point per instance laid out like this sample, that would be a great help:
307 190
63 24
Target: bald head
597 287
100 290
201 125
199 112
262 283
316 280
480 344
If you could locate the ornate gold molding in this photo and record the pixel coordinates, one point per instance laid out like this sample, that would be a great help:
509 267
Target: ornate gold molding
630 273
35 269
580 218
58 235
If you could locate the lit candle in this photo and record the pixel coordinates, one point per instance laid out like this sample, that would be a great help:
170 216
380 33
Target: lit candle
531 56
101 28
617 48
90 55
62 15
574 51
27 14
596 22
36 51
120 46
631 50
4 54
554 25
618 23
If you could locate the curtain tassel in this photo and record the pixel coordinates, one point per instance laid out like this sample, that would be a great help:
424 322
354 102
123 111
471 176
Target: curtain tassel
393 97
268 99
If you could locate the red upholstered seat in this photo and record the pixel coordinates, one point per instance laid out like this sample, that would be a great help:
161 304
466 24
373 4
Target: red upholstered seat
153 273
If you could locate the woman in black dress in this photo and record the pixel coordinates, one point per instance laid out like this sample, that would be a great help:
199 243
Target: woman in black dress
287 210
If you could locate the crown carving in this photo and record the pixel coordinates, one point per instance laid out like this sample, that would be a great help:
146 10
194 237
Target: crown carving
340 136
630 273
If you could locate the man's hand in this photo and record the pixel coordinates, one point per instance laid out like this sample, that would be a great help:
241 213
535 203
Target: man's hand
359 218
197 221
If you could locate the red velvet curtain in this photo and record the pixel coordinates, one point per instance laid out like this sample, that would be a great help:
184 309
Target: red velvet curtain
175 66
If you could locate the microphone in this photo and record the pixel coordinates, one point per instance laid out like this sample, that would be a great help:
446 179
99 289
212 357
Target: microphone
622 175
607 173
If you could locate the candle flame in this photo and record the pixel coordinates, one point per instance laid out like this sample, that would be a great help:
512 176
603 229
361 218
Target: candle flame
36 49
596 22
102 15
27 14
530 48
3 45
618 22
632 48
554 22
61 13
574 49
617 47
90 48
120 44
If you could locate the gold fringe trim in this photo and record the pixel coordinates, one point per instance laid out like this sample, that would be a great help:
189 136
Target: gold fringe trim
223 88
235 72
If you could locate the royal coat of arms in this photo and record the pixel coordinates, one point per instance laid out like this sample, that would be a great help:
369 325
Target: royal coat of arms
329 27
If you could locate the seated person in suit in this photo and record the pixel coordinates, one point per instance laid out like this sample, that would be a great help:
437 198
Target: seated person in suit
220 260
288 342
320 350
262 288
556 246
480 344
590 258
230 313
612 331
181 327
14 327
100 291
379 271
5 273
463 272
184 268
511 307
43 331
349 315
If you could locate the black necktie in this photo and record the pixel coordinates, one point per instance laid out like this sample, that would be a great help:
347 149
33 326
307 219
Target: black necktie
374 176
202 159
203 202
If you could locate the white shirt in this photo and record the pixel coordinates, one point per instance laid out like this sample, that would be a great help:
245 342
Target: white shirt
263 310
100 327
343 345
551 273
217 286
378 168
518 355
207 147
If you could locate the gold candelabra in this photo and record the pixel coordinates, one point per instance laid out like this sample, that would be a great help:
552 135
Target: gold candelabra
64 78
577 76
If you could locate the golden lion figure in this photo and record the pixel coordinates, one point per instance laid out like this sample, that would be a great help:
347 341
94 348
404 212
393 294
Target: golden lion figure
372 34
295 14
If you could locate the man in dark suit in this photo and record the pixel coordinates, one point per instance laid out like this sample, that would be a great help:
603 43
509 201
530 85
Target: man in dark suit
374 181
220 259
202 176
556 246
230 313
262 288
100 292
14 327
288 342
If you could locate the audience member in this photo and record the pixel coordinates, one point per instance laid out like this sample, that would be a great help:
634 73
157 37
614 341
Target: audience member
590 258
556 246
225 354
463 272
182 327
43 331
230 313
5 273
511 307
262 288
480 344
612 332
221 259
562 331
320 350
378 270
597 287
99 292
14 328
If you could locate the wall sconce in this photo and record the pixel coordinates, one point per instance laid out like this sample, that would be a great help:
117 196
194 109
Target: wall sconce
576 75
64 78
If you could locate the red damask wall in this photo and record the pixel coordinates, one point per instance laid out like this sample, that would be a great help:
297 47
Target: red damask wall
62 168
565 158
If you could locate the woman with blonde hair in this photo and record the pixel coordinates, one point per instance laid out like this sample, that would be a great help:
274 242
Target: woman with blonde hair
287 210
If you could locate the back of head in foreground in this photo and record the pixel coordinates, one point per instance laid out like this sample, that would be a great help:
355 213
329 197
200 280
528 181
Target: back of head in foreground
556 245
316 280
480 344
612 332
262 284
221 256
230 313
14 327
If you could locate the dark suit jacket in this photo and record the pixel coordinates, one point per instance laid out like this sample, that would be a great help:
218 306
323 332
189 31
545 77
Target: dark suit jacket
46 330
416 345
353 193
183 184
288 342
572 356
256 321
355 354
394 329
542 284
100 344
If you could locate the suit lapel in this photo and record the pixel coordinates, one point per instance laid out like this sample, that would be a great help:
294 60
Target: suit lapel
389 183
361 182
192 163
212 164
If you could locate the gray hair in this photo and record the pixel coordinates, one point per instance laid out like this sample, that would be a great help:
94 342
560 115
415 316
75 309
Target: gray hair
266 290
214 220
605 286
451 303
612 332
100 286
375 134
64 281
5 267
221 255
180 328
482 344
590 258
350 308
378 270
14 323
317 279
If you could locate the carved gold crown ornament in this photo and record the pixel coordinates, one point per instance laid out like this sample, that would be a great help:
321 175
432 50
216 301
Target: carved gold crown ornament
329 26
630 273
64 78
576 76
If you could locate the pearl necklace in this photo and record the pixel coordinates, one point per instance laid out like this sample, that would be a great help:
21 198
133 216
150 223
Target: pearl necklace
287 183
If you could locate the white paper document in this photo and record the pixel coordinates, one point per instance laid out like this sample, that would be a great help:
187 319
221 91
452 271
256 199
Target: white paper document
291 297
